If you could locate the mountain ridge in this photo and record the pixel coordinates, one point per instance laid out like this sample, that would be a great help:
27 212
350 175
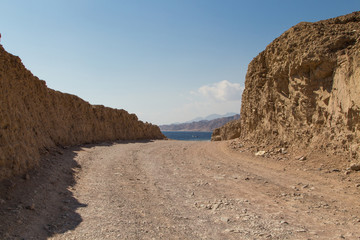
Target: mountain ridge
200 126
208 117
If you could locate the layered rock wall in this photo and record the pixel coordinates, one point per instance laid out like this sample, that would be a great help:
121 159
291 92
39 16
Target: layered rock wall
304 88
34 118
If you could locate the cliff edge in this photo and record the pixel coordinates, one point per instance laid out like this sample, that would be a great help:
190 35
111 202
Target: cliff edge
34 119
304 88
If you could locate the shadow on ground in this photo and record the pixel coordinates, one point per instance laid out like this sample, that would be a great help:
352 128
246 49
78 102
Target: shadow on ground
40 204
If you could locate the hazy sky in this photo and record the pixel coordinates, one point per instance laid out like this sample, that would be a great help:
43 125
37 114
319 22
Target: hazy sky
165 60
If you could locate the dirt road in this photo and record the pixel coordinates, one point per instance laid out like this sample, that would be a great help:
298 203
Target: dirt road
185 190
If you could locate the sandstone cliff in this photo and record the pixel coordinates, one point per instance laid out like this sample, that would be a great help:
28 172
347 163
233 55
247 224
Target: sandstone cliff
304 88
229 131
200 126
34 118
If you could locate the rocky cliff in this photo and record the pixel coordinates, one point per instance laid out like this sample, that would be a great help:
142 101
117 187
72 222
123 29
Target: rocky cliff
228 131
34 118
304 88
200 126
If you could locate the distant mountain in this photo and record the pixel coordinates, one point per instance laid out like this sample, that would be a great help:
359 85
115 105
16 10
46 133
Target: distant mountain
210 117
200 126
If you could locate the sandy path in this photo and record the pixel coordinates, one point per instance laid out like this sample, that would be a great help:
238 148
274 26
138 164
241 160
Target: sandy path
187 190
201 190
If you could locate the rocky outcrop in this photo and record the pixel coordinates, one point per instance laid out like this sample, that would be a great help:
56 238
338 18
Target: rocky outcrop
34 118
199 126
304 88
229 131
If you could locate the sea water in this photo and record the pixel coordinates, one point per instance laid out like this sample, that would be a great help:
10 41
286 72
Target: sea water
188 136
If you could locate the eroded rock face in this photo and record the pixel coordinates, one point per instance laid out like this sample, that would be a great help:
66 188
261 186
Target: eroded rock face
229 131
34 118
304 88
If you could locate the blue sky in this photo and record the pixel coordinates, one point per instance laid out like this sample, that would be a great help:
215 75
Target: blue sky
165 60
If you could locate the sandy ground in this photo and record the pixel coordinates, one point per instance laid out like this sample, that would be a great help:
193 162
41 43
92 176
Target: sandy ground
179 190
